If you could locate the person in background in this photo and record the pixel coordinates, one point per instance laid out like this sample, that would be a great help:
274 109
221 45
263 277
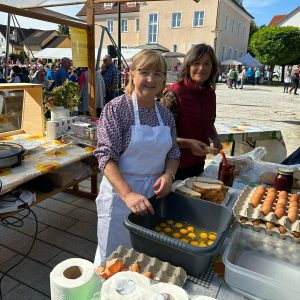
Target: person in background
242 77
295 80
229 77
250 76
192 99
110 75
287 80
18 72
136 150
257 76
40 78
233 76
2 79
62 73
74 76
51 72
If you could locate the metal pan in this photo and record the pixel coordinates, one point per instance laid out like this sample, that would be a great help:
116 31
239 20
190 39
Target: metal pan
11 155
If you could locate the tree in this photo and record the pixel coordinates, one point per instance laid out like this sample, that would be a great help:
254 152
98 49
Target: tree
276 45
252 30
63 30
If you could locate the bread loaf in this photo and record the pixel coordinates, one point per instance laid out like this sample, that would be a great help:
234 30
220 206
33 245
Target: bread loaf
187 192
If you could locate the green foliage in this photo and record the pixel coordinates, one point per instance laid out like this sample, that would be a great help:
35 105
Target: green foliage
63 30
65 95
276 45
252 30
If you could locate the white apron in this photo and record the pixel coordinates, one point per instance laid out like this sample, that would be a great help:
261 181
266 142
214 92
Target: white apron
141 165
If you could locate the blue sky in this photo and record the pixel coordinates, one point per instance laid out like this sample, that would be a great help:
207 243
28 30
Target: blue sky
261 10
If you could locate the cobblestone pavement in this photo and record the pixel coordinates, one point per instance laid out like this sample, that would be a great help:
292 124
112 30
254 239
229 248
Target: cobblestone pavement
266 105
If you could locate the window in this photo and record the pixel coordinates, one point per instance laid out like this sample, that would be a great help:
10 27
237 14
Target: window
176 20
108 5
110 26
1 40
198 18
131 4
226 23
124 27
137 24
244 29
174 48
241 54
224 53
239 29
152 28
236 53
230 53
233 24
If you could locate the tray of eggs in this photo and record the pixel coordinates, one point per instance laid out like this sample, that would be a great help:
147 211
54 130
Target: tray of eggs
276 212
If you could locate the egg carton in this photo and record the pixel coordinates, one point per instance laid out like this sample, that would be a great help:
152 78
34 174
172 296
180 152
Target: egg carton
162 271
271 246
248 215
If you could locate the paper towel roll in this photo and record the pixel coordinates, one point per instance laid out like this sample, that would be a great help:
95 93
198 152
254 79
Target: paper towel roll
74 279
165 291
125 285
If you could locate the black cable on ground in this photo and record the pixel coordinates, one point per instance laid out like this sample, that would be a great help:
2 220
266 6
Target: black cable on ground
18 222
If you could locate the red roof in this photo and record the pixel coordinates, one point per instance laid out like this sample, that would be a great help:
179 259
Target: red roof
276 19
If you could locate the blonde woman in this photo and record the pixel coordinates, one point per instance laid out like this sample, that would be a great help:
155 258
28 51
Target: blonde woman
136 151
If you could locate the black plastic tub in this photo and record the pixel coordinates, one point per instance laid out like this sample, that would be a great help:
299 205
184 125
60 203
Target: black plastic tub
204 214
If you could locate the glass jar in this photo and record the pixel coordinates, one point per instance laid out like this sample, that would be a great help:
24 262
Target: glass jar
226 173
284 180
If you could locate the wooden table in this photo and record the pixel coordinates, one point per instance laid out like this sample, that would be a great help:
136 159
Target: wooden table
49 157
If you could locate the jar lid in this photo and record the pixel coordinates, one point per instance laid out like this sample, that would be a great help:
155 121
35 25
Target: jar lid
296 174
285 171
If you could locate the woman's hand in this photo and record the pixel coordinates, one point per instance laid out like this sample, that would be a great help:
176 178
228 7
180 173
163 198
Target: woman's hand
162 186
138 204
198 148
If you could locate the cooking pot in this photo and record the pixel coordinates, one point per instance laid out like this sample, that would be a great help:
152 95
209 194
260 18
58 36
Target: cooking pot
11 155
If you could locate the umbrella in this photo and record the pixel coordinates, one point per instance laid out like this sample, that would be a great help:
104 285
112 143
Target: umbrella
173 54
231 62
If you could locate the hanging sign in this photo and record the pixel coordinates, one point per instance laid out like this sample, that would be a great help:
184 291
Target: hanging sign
79 47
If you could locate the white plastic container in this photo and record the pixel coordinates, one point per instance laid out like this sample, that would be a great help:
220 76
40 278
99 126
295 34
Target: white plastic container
261 266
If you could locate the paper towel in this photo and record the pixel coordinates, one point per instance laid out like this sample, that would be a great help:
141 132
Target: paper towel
125 285
74 279
162 291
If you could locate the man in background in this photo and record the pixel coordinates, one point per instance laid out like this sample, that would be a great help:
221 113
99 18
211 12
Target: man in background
63 72
110 75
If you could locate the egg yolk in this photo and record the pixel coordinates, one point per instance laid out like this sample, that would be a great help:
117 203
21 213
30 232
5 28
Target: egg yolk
178 225
212 236
210 242
183 231
191 235
167 229
184 240
170 222
203 235
157 228
190 228
176 235
163 225
202 244
194 243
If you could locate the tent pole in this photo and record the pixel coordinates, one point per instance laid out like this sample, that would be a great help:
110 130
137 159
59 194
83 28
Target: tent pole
7 45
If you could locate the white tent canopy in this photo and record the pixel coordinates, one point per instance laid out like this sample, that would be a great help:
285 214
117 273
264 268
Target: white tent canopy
59 53
231 62
249 61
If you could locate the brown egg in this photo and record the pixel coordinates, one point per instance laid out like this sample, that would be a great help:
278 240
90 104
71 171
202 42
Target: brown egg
267 207
134 268
293 204
283 194
296 234
243 219
282 229
272 190
279 212
293 209
270 225
293 216
294 197
255 200
148 274
282 201
256 222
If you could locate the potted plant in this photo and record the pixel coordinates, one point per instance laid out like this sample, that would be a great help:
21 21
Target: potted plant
65 96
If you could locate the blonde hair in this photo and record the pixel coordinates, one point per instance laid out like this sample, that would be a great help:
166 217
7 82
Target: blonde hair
147 59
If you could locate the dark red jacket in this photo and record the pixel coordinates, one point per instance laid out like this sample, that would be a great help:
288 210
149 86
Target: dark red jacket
197 112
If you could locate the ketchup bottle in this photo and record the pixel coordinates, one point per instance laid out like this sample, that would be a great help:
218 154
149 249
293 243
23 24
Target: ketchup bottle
226 171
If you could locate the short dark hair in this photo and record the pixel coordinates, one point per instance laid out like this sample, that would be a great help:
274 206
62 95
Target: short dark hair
17 69
193 55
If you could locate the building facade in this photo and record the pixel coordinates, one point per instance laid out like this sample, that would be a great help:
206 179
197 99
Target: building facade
177 25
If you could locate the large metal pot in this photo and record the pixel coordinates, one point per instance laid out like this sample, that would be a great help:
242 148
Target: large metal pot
11 155
91 132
